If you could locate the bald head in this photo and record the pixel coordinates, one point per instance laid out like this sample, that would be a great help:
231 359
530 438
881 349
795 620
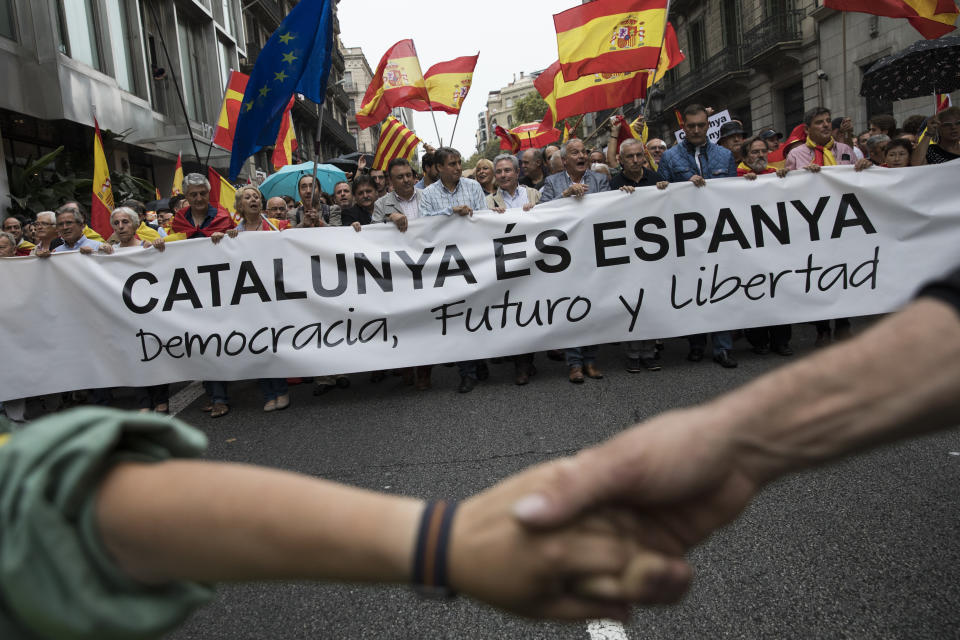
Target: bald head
277 208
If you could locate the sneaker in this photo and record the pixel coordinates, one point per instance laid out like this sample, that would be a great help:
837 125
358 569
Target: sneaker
650 364
633 365
725 360
283 402
695 355
271 405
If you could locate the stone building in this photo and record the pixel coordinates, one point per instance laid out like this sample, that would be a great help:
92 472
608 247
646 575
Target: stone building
499 109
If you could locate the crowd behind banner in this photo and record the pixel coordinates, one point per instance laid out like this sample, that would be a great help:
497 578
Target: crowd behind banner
398 195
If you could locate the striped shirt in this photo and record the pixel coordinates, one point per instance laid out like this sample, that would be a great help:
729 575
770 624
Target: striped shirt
437 200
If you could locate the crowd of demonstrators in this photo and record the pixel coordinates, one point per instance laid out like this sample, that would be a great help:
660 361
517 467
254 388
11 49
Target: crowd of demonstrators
519 182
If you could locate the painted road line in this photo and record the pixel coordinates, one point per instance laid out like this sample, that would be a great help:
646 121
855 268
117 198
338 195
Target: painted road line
606 630
185 397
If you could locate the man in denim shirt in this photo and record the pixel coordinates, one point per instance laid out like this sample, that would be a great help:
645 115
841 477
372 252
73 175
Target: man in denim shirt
697 160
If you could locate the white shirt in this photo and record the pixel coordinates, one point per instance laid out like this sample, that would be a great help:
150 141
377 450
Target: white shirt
517 200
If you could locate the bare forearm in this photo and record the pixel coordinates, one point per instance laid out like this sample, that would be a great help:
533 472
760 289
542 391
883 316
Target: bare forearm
899 378
212 522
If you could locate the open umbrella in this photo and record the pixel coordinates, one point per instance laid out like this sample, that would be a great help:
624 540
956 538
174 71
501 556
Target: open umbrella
284 182
924 68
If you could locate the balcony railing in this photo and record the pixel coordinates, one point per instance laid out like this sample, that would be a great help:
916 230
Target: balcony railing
779 29
713 70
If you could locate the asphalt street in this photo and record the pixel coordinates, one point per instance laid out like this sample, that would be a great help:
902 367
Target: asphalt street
865 548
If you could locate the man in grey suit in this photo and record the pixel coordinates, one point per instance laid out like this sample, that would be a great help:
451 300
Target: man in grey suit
403 203
576 181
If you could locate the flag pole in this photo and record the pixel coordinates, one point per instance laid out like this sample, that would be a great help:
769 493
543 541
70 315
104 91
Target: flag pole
843 41
434 121
455 125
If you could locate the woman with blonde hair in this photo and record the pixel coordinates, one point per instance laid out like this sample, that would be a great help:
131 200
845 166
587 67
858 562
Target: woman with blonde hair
483 173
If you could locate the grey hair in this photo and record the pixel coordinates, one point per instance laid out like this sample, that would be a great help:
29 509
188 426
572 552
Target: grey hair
48 213
563 148
507 156
130 213
195 180
9 236
72 210
630 141
879 140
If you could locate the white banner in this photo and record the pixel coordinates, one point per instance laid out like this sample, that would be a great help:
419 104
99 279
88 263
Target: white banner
610 267
713 133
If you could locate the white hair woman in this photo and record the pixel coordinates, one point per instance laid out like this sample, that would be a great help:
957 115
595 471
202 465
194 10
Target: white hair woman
125 222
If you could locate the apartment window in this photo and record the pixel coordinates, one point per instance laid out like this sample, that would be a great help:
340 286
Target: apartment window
190 64
731 24
120 43
225 17
792 99
8 28
226 61
78 33
698 44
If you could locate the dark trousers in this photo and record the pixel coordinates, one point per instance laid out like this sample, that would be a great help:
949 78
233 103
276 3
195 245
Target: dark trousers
776 336
150 397
823 326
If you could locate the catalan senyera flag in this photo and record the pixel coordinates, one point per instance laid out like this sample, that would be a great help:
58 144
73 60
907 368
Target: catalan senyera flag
670 55
943 101
177 178
286 140
396 141
230 110
398 82
587 94
448 84
610 36
102 204
222 193
932 18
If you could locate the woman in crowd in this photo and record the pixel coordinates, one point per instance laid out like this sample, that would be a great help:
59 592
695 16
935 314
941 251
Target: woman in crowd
249 205
8 245
483 173
47 237
945 127
897 153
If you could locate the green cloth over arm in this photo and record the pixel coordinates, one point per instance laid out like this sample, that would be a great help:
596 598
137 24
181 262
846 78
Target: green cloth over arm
56 578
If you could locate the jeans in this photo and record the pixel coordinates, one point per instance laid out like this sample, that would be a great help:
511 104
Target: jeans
722 341
641 349
217 391
580 356
273 388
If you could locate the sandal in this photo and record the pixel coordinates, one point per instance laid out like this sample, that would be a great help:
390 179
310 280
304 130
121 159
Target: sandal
219 410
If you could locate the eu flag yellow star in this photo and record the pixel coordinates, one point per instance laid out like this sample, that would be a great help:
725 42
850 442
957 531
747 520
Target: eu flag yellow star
264 90
281 76
248 106
289 58
287 37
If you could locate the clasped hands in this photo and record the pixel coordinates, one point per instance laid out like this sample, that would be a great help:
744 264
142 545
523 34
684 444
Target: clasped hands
592 535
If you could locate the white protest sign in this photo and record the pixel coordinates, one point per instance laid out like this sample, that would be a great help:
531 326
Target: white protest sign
713 133
606 268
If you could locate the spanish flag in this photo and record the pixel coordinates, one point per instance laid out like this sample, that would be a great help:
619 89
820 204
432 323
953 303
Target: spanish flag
932 18
448 84
230 110
943 101
533 137
396 141
177 178
670 55
508 141
286 140
610 36
102 204
222 193
398 82
588 94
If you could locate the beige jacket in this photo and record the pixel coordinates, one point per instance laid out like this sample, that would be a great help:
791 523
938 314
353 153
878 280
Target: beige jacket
495 201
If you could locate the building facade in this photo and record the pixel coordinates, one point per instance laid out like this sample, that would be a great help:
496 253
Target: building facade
153 72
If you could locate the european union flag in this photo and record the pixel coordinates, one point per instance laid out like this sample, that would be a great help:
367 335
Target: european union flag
296 59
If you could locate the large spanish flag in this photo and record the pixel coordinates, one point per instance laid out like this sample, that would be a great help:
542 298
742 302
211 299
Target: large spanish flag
398 82
396 141
932 18
102 204
670 55
610 36
286 139
588 94
230 110
177 178
448 84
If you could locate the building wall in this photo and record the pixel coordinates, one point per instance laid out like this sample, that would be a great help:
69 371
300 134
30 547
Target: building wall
356 80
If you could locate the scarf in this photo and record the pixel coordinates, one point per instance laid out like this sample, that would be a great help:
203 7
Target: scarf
822 155
182 224
743 170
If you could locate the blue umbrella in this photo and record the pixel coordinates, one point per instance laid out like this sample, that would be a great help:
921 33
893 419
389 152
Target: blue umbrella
284 181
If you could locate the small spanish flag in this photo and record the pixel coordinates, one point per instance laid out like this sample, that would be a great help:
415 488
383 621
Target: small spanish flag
670 55
102 203
943 101
177 177
448 84
508 141
230 110
222 193
932 18
588 94
396 141
286 139
398 82
610 36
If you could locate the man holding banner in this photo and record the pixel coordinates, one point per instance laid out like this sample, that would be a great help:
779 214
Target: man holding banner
697 160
